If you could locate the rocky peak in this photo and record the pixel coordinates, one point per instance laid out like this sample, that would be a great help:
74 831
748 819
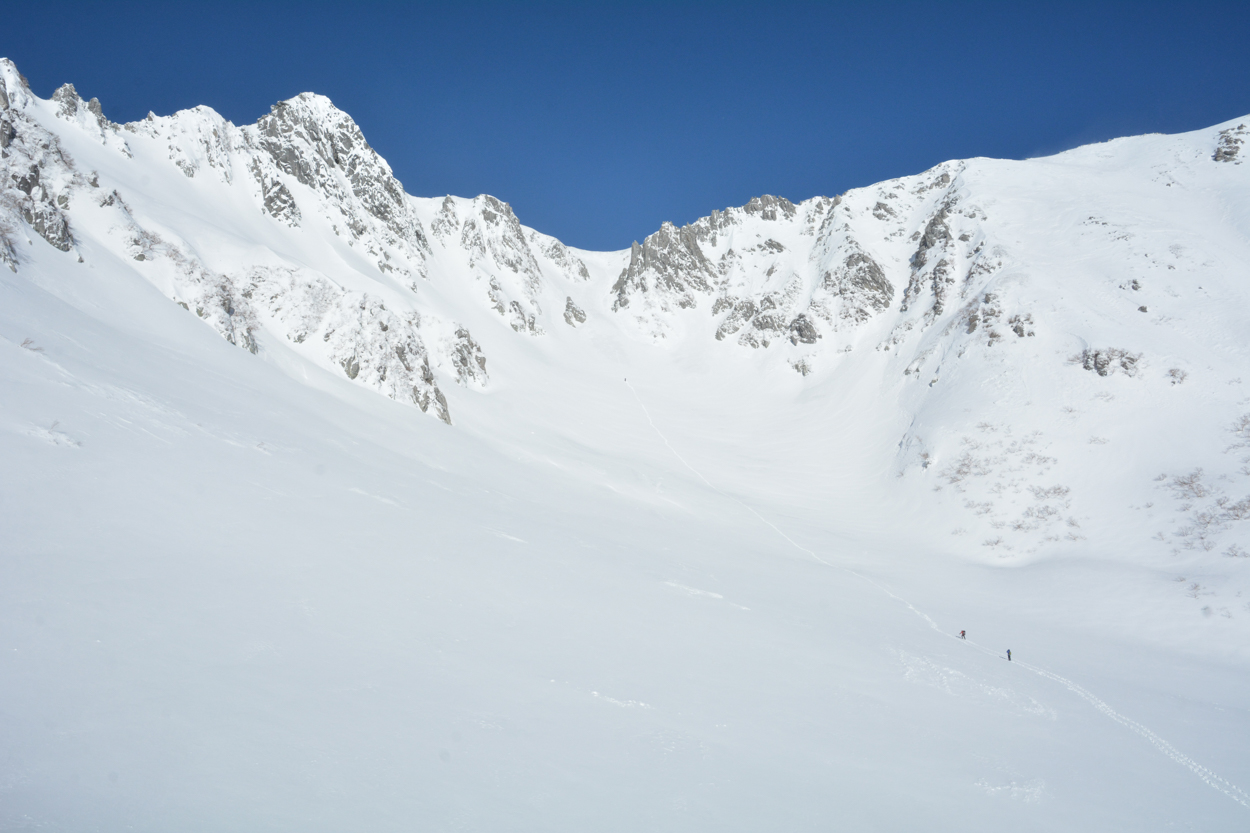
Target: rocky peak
67 100
322 147
14 88
88 114
670 264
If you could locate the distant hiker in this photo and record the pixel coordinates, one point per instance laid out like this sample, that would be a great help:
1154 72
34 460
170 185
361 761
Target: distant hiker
963 634
1009 655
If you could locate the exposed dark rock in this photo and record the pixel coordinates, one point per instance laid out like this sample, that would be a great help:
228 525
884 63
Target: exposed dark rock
1021 325
862 285
27 182
741 312
310 139
8 251
671 263
573 314
522 322
932 244
446 223
66 98
276 198
51 226
467 359
1228 145
505 240
802 330
770 208
1107 360
936 234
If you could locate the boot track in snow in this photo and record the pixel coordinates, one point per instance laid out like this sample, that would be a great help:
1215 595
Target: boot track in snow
1208 777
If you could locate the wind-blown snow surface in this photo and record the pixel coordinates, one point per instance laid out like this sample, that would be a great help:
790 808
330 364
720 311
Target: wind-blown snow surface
650 576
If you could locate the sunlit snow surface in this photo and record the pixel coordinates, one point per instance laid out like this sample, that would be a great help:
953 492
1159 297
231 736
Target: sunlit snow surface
639 583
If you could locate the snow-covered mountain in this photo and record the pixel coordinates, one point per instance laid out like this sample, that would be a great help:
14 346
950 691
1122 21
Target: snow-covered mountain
690 482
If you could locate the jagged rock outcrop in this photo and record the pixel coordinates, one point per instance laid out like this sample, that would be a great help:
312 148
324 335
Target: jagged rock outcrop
319 145
41 203
763 290
668 264
1228 144
36 175
275 197
383 349
930 268
1108 360
35 184
502 239
860 283
573 314
468 360
945 260
512 264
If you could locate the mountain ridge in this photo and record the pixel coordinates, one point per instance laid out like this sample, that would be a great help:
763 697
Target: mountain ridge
759 290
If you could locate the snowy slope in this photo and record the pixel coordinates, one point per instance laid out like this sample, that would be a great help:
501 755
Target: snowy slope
691 553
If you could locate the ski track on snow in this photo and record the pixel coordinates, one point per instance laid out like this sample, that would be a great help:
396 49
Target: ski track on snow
1210 778
1231 790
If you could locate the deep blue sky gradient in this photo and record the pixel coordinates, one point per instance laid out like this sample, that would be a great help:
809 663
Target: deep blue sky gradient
599 124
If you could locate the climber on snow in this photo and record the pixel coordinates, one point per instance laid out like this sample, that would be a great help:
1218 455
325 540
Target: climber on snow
1009 655
963 634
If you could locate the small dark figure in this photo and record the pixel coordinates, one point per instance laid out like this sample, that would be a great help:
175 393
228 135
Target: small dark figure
963 634
1009 655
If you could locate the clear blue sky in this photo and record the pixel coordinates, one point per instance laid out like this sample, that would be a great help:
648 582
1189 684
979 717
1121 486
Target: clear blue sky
599 124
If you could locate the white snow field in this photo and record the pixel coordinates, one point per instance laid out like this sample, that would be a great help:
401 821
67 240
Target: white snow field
328 508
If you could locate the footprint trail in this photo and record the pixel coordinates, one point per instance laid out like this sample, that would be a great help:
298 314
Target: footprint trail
1209 777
